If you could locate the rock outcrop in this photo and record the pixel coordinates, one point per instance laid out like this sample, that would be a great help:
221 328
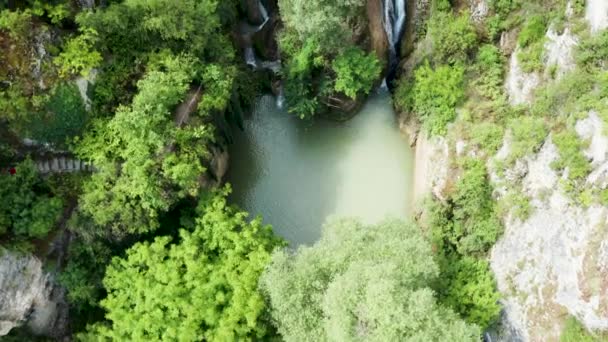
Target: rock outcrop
596 13
520 85
29 296
555 262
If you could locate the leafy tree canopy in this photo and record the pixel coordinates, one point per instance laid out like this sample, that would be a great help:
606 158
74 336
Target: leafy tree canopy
361 283
203 287
145 161
26 208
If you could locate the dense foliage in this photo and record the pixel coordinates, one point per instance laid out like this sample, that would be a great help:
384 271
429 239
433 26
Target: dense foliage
433 96
203 287
27 209
376 277
315 34
145 161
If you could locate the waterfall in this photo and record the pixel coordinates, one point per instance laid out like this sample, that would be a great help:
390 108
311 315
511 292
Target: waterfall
264 14
280 101
250 57
394 20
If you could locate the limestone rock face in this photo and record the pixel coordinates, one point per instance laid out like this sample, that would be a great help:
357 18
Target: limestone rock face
596 12
479 10
555 262
559 48
520 85
30 297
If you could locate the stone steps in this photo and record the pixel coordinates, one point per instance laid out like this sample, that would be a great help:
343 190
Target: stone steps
63 164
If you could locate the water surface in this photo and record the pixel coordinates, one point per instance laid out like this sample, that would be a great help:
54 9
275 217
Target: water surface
296 174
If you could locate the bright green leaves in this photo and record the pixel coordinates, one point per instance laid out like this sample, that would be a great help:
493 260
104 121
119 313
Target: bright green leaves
327 22
26 209
145 162
433 96
202 287
357 276
356 72
217 81
468 286
79 55
571 157
453 37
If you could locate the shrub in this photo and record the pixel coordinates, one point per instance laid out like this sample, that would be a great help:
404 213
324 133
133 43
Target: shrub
356 72
433 96
468 286
487 136
533 31
453 37
528 134
468 224
27 210
574 331
570 149
593 51
79 56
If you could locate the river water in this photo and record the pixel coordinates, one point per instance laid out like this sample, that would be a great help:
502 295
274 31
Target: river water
296 174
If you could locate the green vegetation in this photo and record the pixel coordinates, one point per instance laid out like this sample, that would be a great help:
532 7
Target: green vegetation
203 287
373 276
528 135
355 72
27 210
145 161
574 331
571 157
433 96
316 33
453 37
78 57
62 118
148 246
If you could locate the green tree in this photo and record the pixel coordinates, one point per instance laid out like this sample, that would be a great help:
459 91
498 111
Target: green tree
204 287
453 37
27 208
467 285
356 72
79 56
145 163
361 283
329 23
433 96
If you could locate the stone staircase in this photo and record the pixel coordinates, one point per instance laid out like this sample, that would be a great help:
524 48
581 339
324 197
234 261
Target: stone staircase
63 164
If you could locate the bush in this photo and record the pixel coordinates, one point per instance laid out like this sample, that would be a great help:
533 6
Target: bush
356 72
593 51
533 31
467 224
62 118
453 37
571 157
528 134
79 55
487 136
27 210
574 331
433 96
468 286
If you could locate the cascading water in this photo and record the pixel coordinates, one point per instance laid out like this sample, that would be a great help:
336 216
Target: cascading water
394 21
264 14
250 57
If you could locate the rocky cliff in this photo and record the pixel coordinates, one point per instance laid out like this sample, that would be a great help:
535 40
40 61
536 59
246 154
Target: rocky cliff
30 297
